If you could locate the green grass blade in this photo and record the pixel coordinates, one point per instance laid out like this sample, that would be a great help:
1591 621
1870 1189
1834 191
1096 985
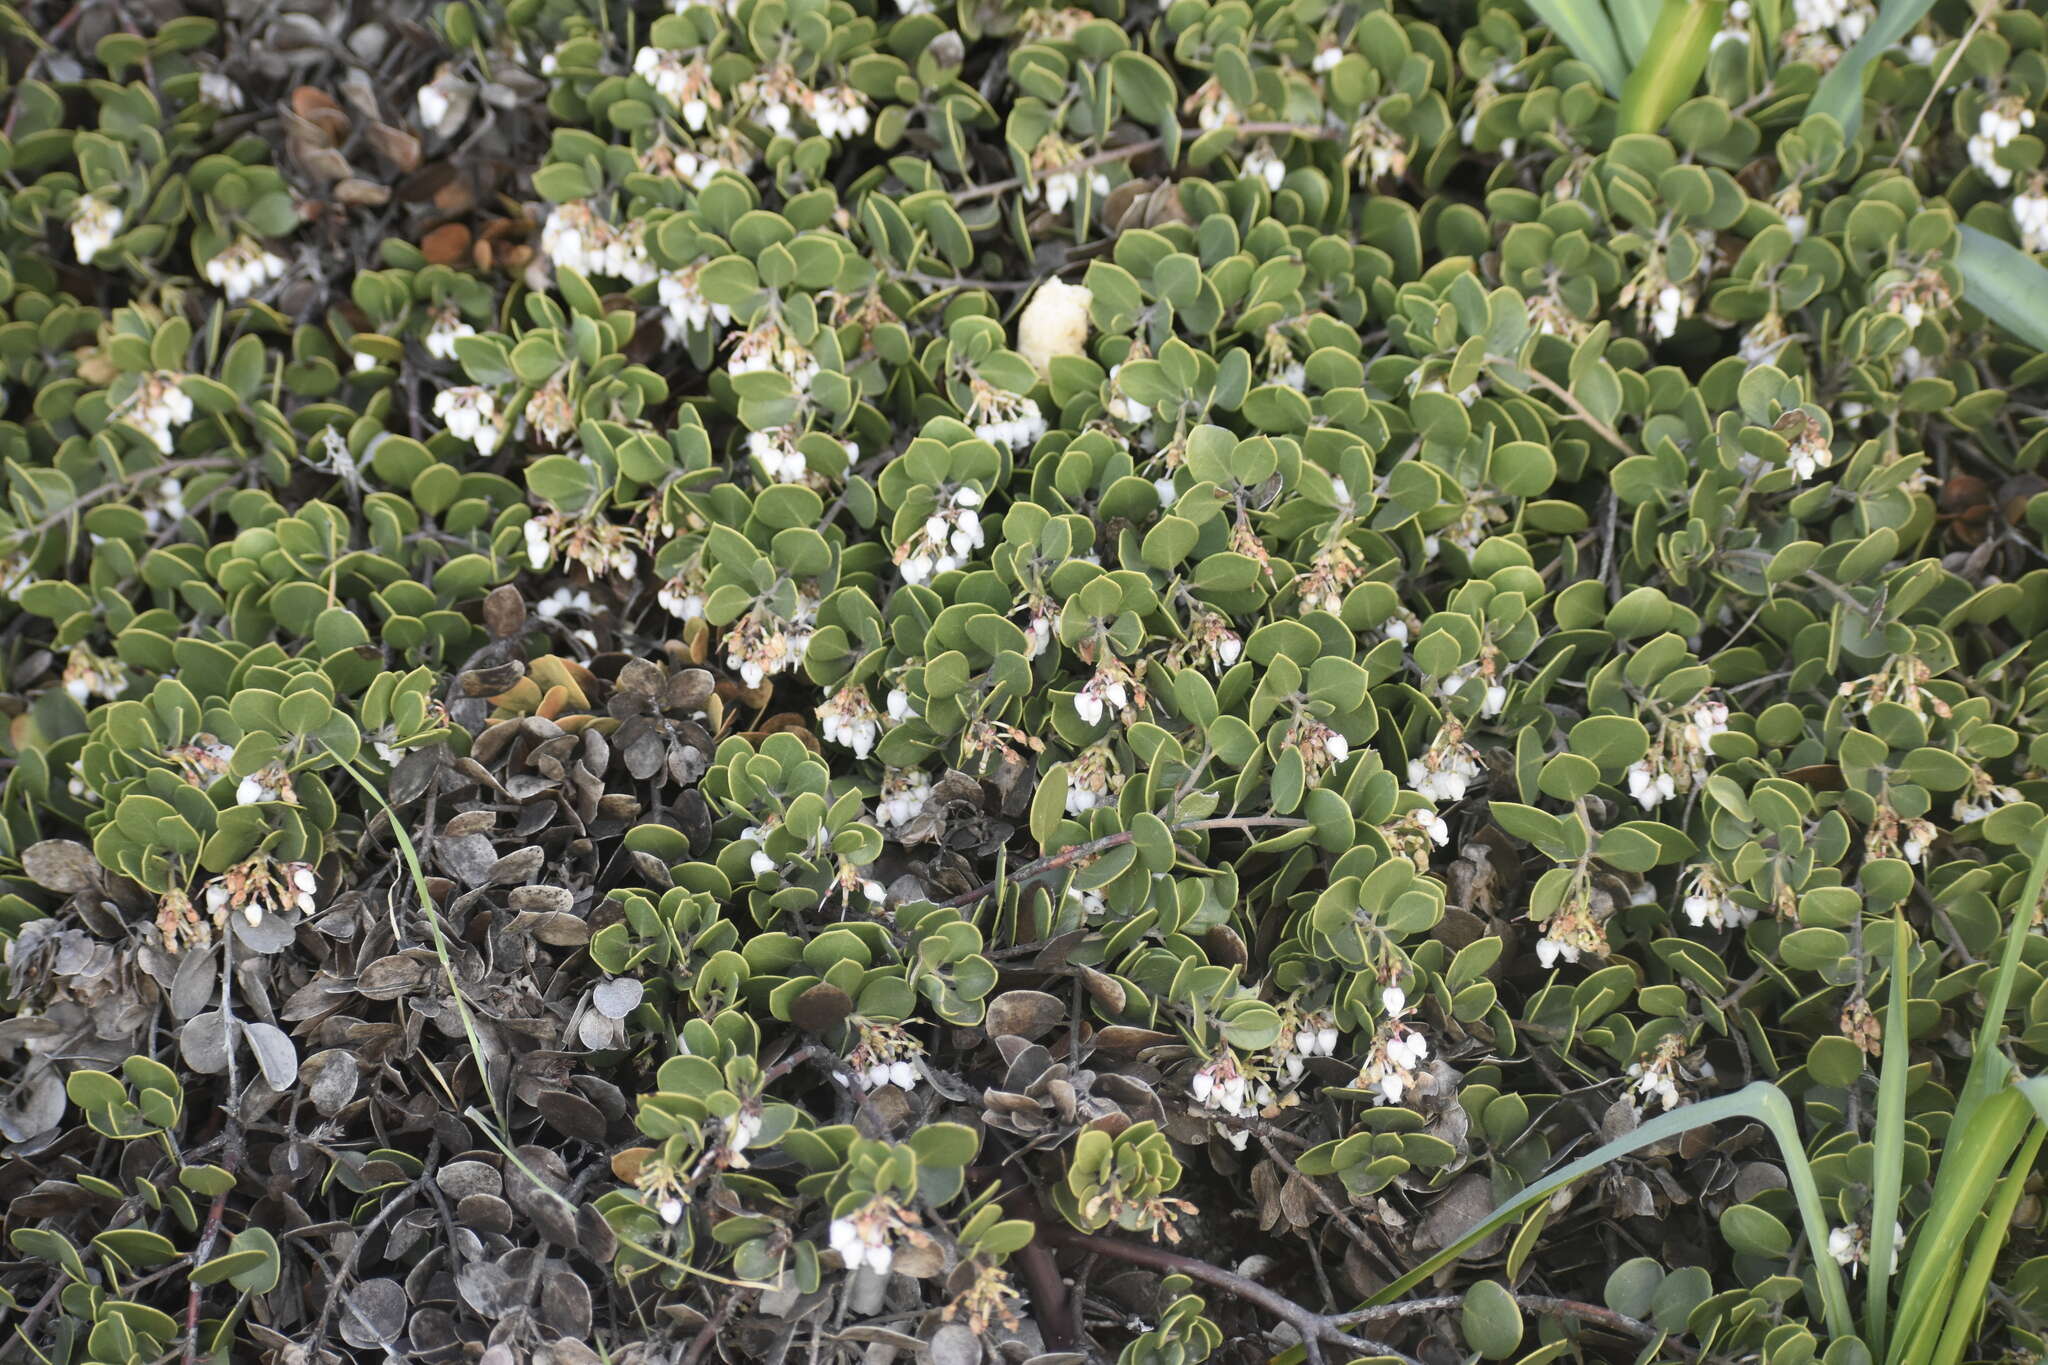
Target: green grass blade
1670 69
1888 1174
2006 285
1583 26
1989 1070
411 857
1974 1157
1634 20
1840 92
1968 1304
1760 1101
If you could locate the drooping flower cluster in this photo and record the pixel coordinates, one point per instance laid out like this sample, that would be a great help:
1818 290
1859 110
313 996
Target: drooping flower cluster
159 407
762 643
1984 795
1850 1246
444 329
244 267
769 346
257 886
1448 768
577 237
869 1236
838 111
1330 575
847 717
203 760
1677 762
1223 1088
1111 690
1659 1075
87 675
903 796
95 222
2030 215
271 782
688 310
470 413
1321 748
1577 928
1709 901
1003 418
601 547
1394 1066
949 536
1058 175
1997 126
684 81
1093 779
885 1055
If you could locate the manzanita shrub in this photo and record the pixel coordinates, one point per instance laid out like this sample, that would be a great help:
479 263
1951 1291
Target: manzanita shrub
966 680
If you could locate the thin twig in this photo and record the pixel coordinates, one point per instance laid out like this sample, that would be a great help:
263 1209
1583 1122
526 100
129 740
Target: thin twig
231 1156
1579 410
1962 44
1312 1326
123 484
1358 1235
1534 1303
1130 150
1067 857
355 1252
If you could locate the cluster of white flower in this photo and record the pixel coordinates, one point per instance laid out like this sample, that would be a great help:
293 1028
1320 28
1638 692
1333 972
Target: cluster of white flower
257 887
86 676
1574 930
470 413
1221 1086
1763 339
903 796
1920 835
1398 1051
740 1131
1210 639
1039 613
444 102
688 310
1679 759
948 538
243 267
1314 1035
681 597
1847 19
1997 126
600 546
159 407
1984 795
1658 1077
847 717
1734 26
1493 696
1063 187
1107 692
839 111
868 1238
780 460
563 602
1672 304
761 862
1708 901
684 81
1262 163
1377 150
1809 453
203 761
1213 108
1448 768
576 237
885 1055
95 222
769 347
1415 834
268 783
1092 779
1003 418
550 414
1320 746
1125 408
1850 1246
2030 216
1481 513
219 92
761 644
1331 573
444 330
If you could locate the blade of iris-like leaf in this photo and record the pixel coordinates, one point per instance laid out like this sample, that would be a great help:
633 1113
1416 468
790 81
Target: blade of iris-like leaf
1761 1101
1840 92
1888 1173
2010 287
1975 1284
1670 69
1634 20
1583 26
1972 1160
